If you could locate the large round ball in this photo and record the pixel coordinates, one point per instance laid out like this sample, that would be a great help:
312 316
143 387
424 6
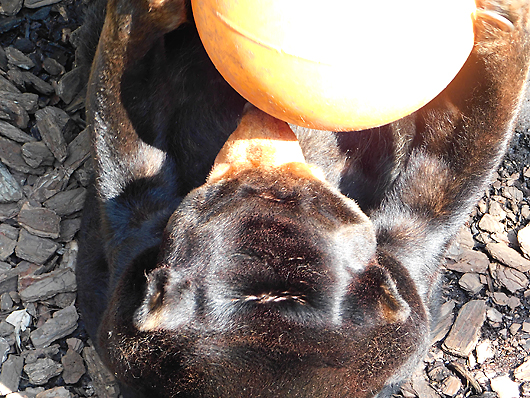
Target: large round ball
341 64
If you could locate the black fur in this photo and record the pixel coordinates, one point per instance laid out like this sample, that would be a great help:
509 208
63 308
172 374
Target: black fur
271 284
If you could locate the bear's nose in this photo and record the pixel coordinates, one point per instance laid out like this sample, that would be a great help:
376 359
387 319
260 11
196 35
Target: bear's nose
260 142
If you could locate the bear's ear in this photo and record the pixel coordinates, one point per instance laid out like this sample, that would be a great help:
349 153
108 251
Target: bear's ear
374 294
148 316
168 302
392 307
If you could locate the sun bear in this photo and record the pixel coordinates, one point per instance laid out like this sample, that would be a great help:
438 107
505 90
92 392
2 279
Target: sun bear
278 261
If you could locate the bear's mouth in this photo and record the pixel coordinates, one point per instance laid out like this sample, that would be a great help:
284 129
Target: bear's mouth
273 297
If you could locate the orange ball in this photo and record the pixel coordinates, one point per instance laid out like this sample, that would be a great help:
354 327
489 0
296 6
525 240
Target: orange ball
337 65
